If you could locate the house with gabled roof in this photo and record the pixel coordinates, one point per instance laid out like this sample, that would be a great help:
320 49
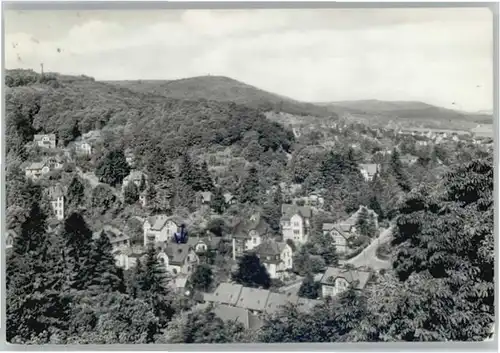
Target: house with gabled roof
275 256
248 234
204 244
178 258
341 234
337 280
160 228
295 223
368 170
45 140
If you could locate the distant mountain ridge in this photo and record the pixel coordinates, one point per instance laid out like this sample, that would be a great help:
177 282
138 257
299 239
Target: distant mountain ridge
221 88
225 89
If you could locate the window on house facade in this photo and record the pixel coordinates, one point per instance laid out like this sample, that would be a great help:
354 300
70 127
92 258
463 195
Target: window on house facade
296 231
254 240
296 224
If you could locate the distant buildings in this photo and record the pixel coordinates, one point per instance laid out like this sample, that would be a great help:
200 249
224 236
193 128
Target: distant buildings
84 145
36 170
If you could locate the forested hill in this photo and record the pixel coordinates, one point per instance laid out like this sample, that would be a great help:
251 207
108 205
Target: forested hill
225 89
70 106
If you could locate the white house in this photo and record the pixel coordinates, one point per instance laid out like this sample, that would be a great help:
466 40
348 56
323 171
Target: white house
160 228
295 223
248 234
9 241
83 147
45 140
56 196
337 280
368 170
276 257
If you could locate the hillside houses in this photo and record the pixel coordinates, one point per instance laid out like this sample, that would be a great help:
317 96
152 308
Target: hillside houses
202 245
248 234
45 140
275 256
160 228
56 197
295 223
337 280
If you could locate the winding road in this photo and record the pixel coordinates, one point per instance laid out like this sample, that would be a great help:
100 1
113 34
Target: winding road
368 257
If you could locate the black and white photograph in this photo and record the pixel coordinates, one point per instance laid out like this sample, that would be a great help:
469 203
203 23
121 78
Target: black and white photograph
248 176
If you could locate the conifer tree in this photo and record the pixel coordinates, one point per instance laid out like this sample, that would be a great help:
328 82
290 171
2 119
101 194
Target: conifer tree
76 192
272 210
130 193
218 201
78 243
251 272
309 289
153 287
399 172
113 168
100 270
249 191
37 305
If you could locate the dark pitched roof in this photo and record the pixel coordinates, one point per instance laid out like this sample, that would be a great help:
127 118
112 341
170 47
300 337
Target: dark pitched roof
270 247
360 278
277 301
177 253
226 293
253 298
232 313
288 210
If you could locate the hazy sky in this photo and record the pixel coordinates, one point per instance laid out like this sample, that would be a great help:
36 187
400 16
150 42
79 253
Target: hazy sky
439 56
